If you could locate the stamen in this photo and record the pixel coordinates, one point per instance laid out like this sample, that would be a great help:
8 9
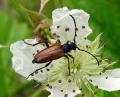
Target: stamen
95 92
32 74
36 71
106 77
90 80
59 81
80 89
58 27
67 29
96 87
83 95
109 59
48 69
61 90
100 41
66 95
69 80
101 55
100 60
83 27
41 71
73 91
50 87
47 85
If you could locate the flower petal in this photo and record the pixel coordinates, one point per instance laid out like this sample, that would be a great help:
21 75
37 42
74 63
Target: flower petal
109 81
63 88
64 26
23 56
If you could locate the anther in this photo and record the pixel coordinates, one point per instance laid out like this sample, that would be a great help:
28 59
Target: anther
109 62
34 81
50 87
41 71
83 27
48 69
57 36
61 90
109 59
73 91
32 74
37 51
85 38
106 77
96 87
95 92
36 71
58 27
101 55
67 29
83 95
54 34
59 81
66 95
80 89
100 41
104 68
100 60
47 85
90 80
69 80
86 46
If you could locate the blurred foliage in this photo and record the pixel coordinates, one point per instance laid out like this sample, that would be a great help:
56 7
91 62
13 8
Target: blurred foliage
14 26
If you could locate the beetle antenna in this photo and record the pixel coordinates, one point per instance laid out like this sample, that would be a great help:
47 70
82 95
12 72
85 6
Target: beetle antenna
90 54
75 28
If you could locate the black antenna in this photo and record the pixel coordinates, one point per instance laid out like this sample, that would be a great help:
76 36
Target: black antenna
75 41
75 28
90 54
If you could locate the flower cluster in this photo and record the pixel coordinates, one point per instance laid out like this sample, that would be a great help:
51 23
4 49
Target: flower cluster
84 70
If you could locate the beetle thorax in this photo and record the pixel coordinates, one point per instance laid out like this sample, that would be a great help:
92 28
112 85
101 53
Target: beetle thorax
67 47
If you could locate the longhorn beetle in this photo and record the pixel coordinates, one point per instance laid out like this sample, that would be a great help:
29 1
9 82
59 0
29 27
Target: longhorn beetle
57 51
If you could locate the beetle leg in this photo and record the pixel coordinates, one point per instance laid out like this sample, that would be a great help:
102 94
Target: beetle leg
36 71
71 57
68 63
47 45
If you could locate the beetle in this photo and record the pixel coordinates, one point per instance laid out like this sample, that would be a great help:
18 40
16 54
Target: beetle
57 51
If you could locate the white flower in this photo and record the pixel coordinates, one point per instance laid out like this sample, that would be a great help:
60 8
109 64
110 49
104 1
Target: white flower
84 70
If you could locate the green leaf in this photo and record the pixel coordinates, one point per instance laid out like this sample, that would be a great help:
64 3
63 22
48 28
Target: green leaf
34 17
19 9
